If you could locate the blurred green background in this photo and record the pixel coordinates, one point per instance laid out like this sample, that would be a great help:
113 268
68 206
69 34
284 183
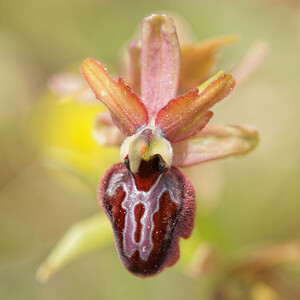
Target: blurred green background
244 204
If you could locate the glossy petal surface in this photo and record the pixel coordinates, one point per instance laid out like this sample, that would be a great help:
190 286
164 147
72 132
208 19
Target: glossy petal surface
160 62
214 142
127 110
149 212
184 116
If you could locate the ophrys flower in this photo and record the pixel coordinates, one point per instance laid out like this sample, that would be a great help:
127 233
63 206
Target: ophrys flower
148 199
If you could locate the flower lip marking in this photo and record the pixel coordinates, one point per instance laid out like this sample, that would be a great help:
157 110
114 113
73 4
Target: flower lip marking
168 213
150 201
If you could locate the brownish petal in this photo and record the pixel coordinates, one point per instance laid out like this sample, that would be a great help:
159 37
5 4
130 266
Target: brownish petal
198 60
184 116
128 111
160 62
214 142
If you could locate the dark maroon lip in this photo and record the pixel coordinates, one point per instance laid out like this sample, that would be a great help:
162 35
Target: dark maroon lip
149 212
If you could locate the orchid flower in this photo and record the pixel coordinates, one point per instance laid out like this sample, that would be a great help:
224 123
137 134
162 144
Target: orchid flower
149 201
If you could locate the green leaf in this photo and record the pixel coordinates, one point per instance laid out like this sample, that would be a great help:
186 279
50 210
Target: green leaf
84 237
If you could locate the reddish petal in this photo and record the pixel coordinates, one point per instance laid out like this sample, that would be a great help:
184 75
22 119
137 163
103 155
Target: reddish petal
214 142
149 212
184 116
127 110
160 62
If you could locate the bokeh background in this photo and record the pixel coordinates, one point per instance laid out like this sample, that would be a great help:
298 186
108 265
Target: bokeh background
248 217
